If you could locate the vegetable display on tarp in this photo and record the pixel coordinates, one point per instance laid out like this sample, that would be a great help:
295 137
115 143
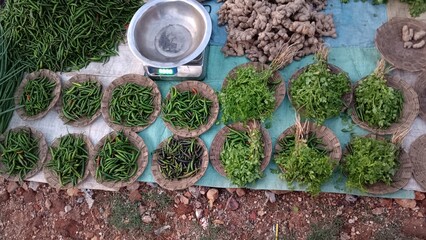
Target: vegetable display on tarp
23 151
67 161
416 7
81 100
65 35
320 91
307 153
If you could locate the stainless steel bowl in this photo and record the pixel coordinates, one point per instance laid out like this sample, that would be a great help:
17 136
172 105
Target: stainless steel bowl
169 33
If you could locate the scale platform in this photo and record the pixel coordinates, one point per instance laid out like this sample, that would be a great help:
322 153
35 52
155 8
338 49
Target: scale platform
193 70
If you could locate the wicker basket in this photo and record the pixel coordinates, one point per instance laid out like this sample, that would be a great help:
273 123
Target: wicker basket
220 138
390 44
52 178
418 157
32 76
279 91
409 112
347 98
182 183
43 149
330 141
420 88
137 79
84 121
142 160
205 91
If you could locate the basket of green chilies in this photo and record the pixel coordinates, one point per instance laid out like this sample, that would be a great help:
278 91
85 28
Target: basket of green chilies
120 158
67 162
37 94
179 162
190 108
80 102
23 152
131 102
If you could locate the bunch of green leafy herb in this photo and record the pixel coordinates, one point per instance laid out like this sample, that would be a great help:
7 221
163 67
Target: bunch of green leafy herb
248 95
304 160
242 155
370 161
416 7
317 92
376 103
374 2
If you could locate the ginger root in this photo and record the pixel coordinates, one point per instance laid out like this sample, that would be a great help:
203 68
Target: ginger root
408 35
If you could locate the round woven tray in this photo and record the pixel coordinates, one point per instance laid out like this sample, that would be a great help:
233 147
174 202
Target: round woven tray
390 44
182 183
84 121
418 157
52 178
347 98
137 79
219 141
205 91
142 160
32 76
276 76
420 88
330 141
409 113
43 149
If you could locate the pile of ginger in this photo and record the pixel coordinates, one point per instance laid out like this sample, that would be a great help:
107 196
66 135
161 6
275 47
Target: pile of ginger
259 29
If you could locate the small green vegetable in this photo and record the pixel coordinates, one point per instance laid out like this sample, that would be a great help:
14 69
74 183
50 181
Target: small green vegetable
117 159
131 105
370 161
37 95
242 156
81 100
186 109
69 159
19 153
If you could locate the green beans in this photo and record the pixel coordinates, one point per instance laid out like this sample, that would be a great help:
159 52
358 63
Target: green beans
19 153
131 105
69 159
81 100
37 95
117 159
187 109
180 158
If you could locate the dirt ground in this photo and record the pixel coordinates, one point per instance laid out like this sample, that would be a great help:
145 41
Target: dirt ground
145 211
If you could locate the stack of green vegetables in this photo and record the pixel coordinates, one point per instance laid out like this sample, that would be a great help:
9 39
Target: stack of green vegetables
68 159
317 92
19 153
117 159
376 103
370 161
249 94
131 105
37 95
242 156
81 100
180 158
304 160
186 110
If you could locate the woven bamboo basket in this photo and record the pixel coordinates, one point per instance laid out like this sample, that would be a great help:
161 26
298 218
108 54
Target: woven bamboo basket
181 183
142 160
84 121
420 88
219 141
42 147
205 91
417 155
347 98
53 179
409 112
32 76
390 44
137 79
276 76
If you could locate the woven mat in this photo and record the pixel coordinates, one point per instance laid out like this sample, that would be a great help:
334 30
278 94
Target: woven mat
418 157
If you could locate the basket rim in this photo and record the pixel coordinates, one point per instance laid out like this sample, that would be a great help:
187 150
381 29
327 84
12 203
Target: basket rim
417 154
420 88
